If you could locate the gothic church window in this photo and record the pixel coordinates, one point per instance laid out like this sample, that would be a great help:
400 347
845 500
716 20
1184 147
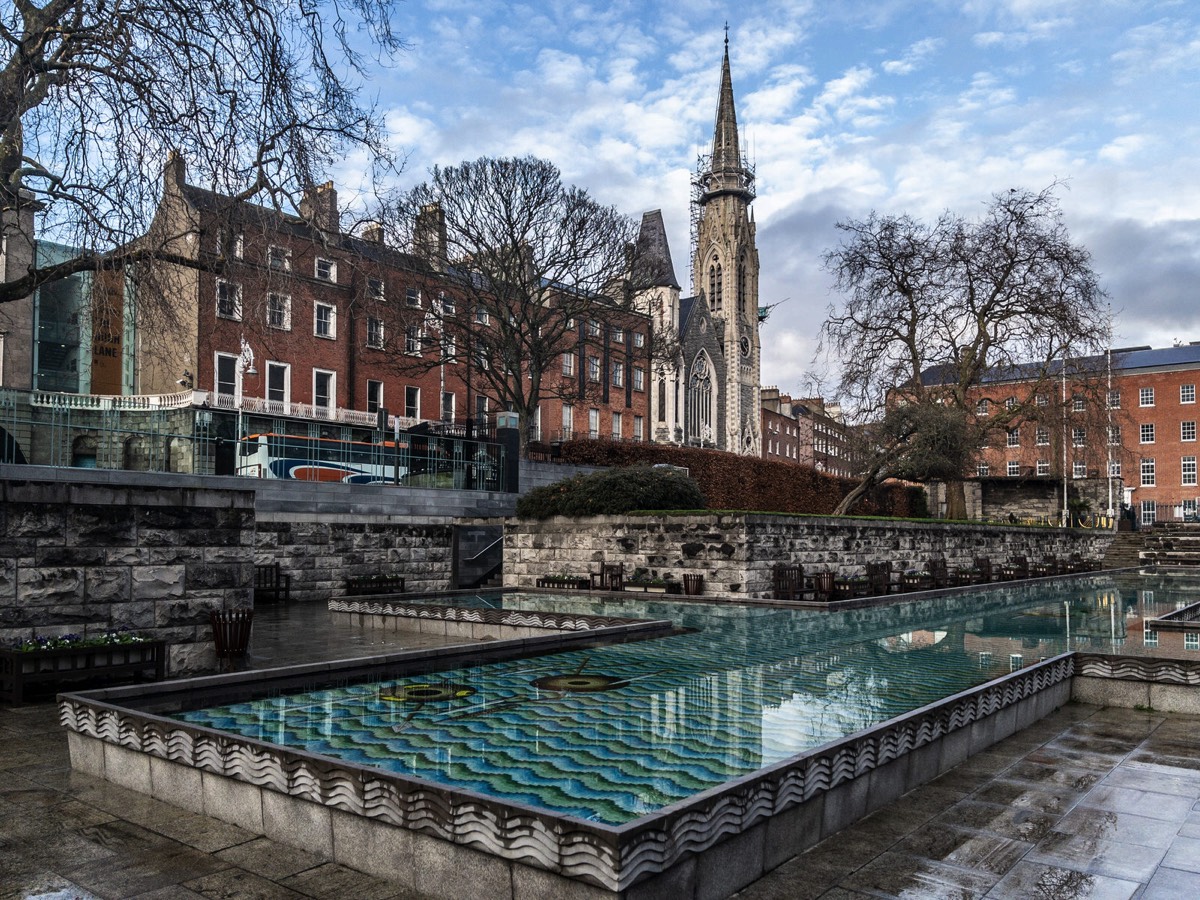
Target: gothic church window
715 286
700 400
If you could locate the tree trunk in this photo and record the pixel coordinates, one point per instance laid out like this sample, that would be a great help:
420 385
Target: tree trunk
956 499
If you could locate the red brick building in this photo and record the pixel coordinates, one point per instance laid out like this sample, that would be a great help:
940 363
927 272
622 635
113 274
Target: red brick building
290 316
804 431
1131 420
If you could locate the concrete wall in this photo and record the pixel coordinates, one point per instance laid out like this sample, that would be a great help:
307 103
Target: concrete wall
735 552
87 558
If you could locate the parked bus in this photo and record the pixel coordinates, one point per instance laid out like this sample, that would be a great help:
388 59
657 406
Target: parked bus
321 459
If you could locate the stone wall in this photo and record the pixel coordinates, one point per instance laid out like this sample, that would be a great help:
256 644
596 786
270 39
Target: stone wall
735 552
321 551
84 558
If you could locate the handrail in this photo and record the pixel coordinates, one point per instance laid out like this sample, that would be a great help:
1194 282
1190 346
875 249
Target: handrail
485 549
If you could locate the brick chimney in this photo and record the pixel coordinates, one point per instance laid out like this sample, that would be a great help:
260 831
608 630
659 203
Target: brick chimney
174 173
373 233
429 236
319 207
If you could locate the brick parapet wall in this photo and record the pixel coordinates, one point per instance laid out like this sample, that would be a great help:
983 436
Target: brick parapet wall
735 552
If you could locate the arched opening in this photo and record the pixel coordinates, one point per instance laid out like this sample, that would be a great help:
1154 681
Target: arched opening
700 413
715 286
83 452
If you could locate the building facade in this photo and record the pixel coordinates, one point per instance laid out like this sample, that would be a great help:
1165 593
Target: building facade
805 431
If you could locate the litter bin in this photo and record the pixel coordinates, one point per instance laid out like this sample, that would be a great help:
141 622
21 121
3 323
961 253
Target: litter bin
693 585
231 633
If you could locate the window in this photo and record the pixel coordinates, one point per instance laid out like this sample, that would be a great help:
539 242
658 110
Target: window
982 407
412 296
593 368
375 333
593 423
279 311
1114 435
1147 472
374 396
324 386
1078 404
1114 468
1189 470
1014 468
571 324
412 339
1147 432
226 247
448 406
412 402
1043 437
1043 467
449 348
1191 640
1042 400
1187 431
226 374
1187 393
1010 403
639 427
616 426
229 300
279 258
593 328
1078 437
983 470
448 307
481 315
568 421
618 374
482 362
1015 661
1145 396
376 290
481 410
1078 469
1150 637
325 321
279 382
618 335
1149 513
639 339
1014 437
1114 399
985 659
639 379
324 269
568 367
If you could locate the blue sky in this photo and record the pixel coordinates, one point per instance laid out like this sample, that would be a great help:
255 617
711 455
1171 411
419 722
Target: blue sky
845 107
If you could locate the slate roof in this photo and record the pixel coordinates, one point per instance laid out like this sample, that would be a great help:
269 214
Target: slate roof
1123 360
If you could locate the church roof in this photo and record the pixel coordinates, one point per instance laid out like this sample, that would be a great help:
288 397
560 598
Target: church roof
652 243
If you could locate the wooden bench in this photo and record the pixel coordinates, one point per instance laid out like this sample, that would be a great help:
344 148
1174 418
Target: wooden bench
272 583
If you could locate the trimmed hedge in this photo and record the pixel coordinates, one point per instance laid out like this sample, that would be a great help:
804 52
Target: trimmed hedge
729 481
617 490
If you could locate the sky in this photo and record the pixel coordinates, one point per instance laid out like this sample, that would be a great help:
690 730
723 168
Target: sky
845 108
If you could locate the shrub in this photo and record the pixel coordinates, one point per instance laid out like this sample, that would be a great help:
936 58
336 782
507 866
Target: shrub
613 491
730 481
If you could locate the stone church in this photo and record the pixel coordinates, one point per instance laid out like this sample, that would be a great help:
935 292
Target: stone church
707 395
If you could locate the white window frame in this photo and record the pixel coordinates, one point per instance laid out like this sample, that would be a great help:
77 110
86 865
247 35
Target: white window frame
1148 472
594 371
1114 399
617 426
412 297
375 333
377 290
449 406
412 410
1146 433
374 404
1013 438
568 421
1187 393
1187 431
1187 469
413 340
1149 637
593 423
1078 437
1114 468
983 470
639 378
1149 515
1078 469
568 365
1043 467
331 334
279 258
229 359
1191 640
639 339
1078 403
639 428
330 269
233 294
618 373
1042 437
285 307
1146 396
287 382
332 404
1013 468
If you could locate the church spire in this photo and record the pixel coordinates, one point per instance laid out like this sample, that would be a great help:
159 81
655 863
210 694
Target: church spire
727 170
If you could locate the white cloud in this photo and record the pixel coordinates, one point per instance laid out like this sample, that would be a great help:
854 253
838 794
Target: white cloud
914 57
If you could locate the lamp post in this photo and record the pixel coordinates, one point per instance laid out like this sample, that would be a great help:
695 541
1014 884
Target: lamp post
245 366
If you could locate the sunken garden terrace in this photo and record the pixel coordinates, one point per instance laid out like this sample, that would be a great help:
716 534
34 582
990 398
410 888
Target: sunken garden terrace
736 552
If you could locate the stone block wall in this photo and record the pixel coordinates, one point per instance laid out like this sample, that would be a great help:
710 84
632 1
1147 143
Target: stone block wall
735 552
320 552
82 558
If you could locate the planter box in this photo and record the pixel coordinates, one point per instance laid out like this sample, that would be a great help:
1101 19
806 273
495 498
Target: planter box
646 588
21 667
367 585
565 582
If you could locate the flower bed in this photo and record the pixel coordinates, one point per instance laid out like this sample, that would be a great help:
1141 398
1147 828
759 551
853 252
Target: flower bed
69 657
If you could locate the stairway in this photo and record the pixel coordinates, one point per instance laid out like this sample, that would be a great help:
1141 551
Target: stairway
1125 550
1173 544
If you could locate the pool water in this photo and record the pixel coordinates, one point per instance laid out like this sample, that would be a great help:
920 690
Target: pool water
611 733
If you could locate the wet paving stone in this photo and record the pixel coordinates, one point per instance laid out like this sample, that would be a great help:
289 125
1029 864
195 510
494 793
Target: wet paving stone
1053 883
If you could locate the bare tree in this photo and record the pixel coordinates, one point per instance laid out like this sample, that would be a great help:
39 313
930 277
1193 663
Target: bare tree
261 96
535 265
934 311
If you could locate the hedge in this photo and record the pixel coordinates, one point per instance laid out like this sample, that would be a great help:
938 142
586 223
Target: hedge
730 481
613 491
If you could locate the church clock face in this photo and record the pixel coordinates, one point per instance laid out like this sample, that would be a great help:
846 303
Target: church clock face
745 346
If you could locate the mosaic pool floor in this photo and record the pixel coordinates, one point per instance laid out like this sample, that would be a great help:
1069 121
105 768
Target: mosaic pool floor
614 732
